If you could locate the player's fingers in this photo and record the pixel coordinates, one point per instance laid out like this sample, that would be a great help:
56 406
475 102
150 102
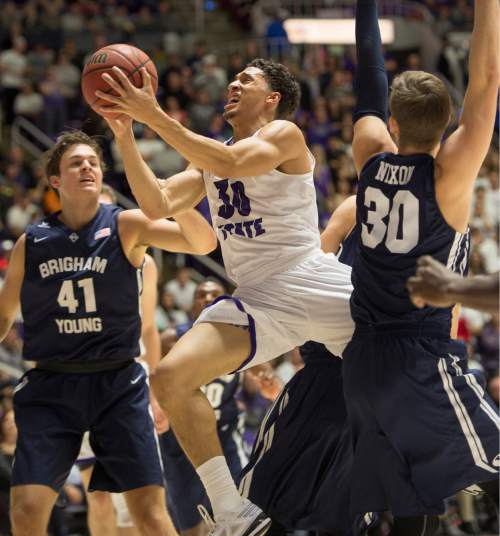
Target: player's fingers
115 109
122 78
107 96
424 260
146 78
112 82
417 301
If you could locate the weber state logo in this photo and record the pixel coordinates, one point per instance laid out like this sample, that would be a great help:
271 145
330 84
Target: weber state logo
100 57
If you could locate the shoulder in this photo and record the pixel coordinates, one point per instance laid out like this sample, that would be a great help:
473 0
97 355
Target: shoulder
131 217
281 129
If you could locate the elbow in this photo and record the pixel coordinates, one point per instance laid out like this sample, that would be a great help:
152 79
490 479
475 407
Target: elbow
227 166
493 75
154 213
208 245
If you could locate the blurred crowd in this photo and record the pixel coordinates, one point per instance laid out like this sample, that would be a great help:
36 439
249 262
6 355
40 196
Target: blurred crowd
45 44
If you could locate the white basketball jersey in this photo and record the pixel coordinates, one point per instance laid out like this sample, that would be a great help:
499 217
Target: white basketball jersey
265 224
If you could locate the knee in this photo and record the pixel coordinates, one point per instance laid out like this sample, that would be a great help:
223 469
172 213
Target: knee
152 520
25 516
99 504
169 381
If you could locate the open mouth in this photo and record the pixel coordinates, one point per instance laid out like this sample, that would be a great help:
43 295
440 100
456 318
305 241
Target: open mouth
233 100
87 180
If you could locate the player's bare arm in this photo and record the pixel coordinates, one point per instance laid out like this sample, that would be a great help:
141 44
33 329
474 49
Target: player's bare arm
461 156
149 298
190 233
178 194
370 130
279 144
339 226
435 285
10 293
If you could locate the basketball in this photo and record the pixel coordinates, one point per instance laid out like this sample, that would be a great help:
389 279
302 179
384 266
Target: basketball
128 58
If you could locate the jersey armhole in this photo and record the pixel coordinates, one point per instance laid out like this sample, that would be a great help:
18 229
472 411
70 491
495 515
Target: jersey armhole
369 162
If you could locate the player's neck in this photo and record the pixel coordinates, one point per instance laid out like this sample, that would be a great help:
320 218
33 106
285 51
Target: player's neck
409 150
75 216
247 129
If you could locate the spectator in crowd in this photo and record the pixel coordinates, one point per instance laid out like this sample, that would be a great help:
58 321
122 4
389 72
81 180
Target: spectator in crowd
182 289
487 345
28 103
167 314
13 63
21 213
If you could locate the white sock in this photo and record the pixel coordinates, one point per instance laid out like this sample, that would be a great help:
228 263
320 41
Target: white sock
219 485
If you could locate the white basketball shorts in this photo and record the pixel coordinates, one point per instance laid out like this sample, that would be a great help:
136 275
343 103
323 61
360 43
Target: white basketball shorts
307 302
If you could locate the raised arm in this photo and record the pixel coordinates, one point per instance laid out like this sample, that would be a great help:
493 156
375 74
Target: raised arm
279 142
370 115
10 293
461 156
157 199
339 226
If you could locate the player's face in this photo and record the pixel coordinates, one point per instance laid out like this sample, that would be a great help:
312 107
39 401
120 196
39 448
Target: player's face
80 172
204 295
248 95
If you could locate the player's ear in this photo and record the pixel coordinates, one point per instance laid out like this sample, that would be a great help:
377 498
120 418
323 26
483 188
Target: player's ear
55 181
273 98
393 128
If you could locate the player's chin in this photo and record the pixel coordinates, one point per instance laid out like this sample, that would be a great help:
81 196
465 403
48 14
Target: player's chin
229 114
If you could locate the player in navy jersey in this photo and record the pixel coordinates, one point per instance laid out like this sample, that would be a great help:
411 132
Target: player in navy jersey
184 488
299 468
107 513
422 426
76 277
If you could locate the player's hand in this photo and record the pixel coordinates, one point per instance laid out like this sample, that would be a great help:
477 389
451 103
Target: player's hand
120 126
161 421
268 384
138 103
430 285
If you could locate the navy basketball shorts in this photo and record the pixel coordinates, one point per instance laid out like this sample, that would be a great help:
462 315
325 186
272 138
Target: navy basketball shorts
421 423
53 411
299 468
185 490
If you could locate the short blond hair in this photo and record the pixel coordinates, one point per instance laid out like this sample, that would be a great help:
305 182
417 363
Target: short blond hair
421 105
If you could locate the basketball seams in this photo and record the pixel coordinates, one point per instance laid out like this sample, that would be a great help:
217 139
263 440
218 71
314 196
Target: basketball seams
129 74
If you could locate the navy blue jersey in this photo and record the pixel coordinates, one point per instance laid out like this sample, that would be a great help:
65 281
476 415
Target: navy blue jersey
348 247
221 393
399 220
80 295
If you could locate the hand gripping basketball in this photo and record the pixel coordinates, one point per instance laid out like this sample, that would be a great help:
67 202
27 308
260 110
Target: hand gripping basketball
131 62
138 103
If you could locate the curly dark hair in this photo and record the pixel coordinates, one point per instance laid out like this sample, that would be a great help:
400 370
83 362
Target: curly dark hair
280 79
52 158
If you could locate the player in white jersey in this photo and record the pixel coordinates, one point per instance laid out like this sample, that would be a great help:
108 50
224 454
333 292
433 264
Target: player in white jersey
262 199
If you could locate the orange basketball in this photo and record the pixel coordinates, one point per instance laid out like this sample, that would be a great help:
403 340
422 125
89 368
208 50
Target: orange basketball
128 58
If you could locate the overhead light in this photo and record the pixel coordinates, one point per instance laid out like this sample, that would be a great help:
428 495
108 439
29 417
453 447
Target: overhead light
331 31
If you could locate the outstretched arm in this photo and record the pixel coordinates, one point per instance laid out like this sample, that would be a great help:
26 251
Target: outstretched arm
339 226
370 132
461 156
190 233
277 143
10 293
435 285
